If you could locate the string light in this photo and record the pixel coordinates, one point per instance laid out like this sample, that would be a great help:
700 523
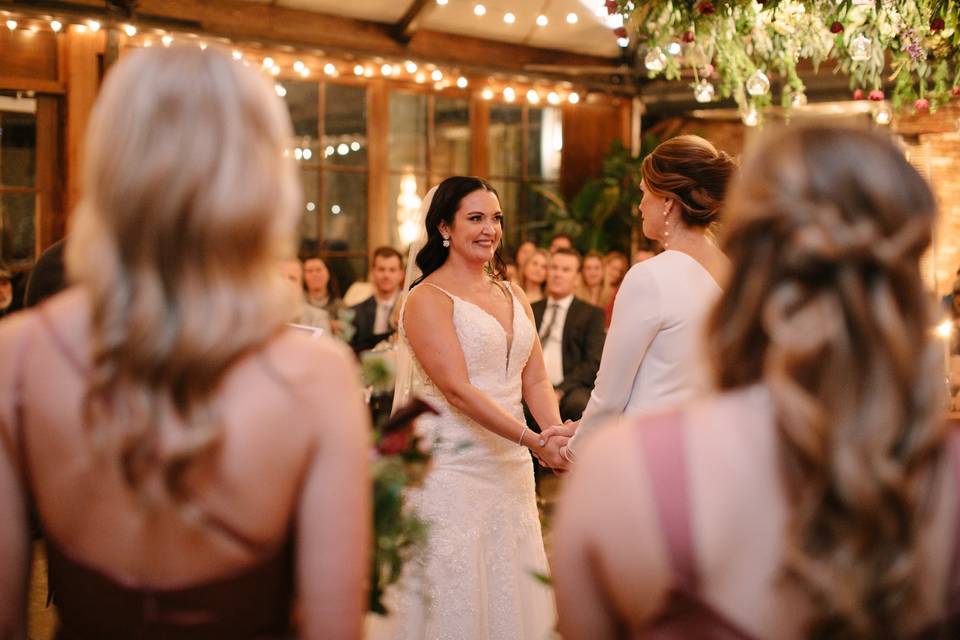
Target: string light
509 94
358 70
410 66
420 78
236 54
572 18
167 40
479 10
268 62
542 20
130 30
329 69
94 25
203 46
275 70
573 98
11 24
56 25
553 97
436 75
487 94
533 97
462 82
298 66
509 18
442 3
386 70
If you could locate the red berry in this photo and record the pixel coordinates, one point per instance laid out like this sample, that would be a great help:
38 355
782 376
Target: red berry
688 36
611 6
858 94
922 105
876 95
937 24
620 32
836 27
955 92
706 8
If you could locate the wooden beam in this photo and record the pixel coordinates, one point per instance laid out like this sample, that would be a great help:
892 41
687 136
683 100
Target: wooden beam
252 21
404 28
80 60
378 129
30 84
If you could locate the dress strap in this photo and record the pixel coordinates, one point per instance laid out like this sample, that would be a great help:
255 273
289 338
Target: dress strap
662 439
448 294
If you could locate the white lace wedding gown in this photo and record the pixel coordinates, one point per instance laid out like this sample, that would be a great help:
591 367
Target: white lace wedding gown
477 580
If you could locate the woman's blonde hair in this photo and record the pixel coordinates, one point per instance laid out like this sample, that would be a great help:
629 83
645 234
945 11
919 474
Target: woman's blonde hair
188 202
691 171
522 276
826 307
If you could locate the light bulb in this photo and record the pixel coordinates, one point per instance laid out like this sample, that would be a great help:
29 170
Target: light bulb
237 55
355 146
572 18
509 94
462 82
750 117
343 149
94 25
882 115
298 66
56 25
542 20
410 66
275 70
167 40
11 24
573 98
758 84
386 70
442 3
703 91
674 48
329 69
479 10
421 78
487 94
280 90
436 75
358 70
655 60
268 62
509 18
533 97
861 48
130 30
553 97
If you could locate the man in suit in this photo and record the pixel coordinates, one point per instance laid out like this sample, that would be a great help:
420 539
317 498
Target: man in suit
371 318
571 332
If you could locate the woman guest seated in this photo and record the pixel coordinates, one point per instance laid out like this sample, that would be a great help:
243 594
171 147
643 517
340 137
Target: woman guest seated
533 275
615 266
321 290
815 494
590 289
192 462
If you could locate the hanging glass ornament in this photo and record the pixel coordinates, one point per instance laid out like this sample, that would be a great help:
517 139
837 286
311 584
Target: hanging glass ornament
799 99
703 91
655 60
758 84
750 117
674 48
861 48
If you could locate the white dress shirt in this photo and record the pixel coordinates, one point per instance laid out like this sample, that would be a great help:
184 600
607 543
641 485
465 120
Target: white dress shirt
553 344
653 355
381 322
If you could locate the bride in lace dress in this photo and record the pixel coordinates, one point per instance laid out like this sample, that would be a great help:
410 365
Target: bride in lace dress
475 355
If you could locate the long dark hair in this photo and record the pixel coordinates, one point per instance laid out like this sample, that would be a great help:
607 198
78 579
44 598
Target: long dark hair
827 308
443 207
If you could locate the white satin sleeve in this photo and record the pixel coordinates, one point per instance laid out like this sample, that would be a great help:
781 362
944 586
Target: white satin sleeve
637 318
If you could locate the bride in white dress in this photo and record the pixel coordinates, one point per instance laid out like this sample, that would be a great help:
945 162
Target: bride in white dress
475 355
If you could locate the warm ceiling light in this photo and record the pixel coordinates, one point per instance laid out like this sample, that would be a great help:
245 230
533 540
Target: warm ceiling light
533 97
275 70
386 70
56 25
268 62
358 70
573 98
236 54
130 30
479 10
167 40
572 18
487 94
553 98
462 82
442 3
542 20
437 75
94 25
11 24
421 78
298 66
410 66
509 18
203 46
329 69
509 94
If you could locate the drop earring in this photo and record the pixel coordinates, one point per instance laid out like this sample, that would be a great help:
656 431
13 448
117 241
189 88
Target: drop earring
446 242
666 230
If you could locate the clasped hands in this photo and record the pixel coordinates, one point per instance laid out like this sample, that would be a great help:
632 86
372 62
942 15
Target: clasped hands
553 452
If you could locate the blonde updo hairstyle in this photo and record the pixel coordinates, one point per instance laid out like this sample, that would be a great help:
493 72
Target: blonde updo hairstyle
826 307
188 202
693 173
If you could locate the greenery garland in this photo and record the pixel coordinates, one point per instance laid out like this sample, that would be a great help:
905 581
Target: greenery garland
734 46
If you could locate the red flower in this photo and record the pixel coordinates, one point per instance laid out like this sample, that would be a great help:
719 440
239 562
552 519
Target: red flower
955 92
937 24
395 442
620 32
858 94
836 27
922 105
688 36
706 8
876 95
611 6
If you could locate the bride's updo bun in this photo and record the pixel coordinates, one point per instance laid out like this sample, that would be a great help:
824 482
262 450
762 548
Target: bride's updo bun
694 173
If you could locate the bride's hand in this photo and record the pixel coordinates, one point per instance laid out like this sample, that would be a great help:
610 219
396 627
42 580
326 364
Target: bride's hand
550 455
566 430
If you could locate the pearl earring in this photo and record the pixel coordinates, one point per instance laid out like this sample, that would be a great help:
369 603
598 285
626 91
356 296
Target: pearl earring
666 231
446 242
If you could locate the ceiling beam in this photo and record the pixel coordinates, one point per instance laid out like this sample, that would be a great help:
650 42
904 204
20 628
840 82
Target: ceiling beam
407 25
255 22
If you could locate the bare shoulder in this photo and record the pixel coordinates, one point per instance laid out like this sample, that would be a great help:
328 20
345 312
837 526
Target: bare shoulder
305 359
521 296
427 300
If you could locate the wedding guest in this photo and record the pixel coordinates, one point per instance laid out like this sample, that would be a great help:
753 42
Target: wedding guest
560 241
47 276
814 495
642 254
510 269
6 291
590 289
320 288
192 462
615 266
533 275
304 313
651 358
372 316
524 251
571 333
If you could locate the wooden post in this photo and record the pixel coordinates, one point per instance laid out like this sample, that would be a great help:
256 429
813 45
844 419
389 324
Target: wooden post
378 128
80 71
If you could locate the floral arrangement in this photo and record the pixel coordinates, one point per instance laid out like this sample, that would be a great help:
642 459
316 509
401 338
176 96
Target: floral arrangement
734 47
401 460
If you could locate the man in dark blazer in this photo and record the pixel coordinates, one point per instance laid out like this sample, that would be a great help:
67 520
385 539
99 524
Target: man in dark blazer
371 319
572 334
